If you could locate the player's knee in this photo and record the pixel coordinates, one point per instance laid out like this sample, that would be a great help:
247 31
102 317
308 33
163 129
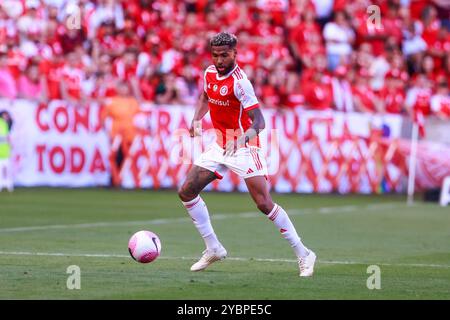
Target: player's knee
182 193
265 205
186 194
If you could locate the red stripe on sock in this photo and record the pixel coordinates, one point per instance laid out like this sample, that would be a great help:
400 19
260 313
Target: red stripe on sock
188 206
275 214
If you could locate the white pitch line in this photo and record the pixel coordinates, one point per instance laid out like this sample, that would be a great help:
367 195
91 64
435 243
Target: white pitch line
99 255
243 215
95 225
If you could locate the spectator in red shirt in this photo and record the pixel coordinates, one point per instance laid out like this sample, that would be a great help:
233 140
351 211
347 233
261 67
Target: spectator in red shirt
318 93
270 91
71 39
364 98
342 90
107 40
440 101
440 46
393 93
319 64
363 57
294 94
51 71
416 7
247 51
72 76
418 97
147 85
16 59
428 68
375 33
31 85
304 33
393 23
310 50
430 24
125 67
8 87
106 82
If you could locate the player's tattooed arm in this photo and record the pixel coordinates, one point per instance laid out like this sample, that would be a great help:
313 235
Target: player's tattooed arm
258 124
200 111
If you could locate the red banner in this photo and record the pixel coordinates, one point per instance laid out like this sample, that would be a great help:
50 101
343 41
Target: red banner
61 145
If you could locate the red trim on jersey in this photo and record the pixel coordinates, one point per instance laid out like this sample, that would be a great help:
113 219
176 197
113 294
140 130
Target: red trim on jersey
256 105
218 175
238 74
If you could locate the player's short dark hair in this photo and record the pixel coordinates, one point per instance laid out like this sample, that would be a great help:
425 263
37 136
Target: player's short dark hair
223 39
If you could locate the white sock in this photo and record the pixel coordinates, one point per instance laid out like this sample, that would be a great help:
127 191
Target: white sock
199 214
281 220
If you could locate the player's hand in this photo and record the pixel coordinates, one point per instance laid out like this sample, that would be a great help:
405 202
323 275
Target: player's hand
230 148
195 129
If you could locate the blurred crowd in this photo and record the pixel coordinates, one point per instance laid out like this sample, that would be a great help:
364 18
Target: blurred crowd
318 54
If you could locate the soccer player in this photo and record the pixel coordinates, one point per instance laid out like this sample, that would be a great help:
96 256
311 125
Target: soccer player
237 119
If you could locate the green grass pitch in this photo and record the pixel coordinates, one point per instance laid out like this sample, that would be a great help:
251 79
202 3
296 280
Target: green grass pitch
43 231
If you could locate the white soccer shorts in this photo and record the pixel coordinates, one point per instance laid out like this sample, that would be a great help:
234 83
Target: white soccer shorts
245 162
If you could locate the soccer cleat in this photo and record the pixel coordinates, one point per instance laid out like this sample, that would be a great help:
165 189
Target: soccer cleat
306 264
209 256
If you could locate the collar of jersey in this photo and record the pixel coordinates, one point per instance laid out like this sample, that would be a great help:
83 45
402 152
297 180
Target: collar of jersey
227 75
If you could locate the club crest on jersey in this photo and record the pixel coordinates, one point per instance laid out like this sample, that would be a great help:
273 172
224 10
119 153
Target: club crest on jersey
215 87
223 90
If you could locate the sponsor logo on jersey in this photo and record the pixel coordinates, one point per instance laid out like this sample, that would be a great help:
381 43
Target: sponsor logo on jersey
215 87
224 90
219 102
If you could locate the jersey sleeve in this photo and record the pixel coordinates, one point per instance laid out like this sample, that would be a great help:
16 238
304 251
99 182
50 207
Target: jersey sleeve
204 81
244 92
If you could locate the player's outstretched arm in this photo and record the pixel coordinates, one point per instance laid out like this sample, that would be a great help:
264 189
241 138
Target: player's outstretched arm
200 111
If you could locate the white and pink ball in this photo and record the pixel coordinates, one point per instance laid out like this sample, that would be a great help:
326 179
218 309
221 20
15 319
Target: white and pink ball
144 246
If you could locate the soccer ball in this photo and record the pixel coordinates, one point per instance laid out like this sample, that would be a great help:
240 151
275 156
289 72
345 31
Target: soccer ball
144 246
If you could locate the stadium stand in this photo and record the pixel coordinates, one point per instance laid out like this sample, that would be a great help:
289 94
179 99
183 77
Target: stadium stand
309 53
